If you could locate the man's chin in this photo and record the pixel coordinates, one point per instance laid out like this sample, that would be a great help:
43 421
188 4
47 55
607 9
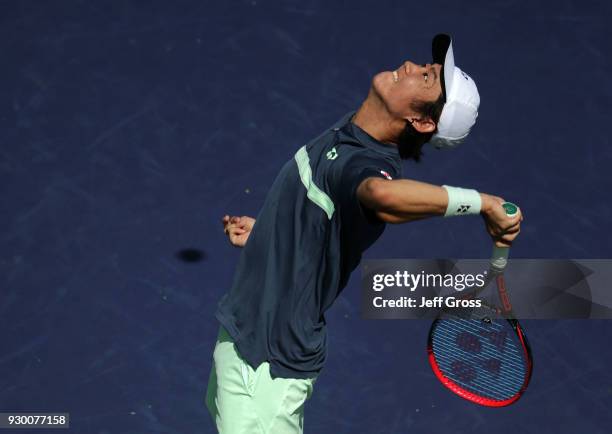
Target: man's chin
381 83
383 78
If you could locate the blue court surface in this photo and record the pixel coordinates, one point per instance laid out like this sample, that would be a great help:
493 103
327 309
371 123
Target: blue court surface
128 129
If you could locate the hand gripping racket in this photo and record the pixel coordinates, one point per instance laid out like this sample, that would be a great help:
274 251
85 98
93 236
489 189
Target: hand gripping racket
484 357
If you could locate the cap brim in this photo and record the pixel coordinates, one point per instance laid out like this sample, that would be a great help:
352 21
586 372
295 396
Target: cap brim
442 54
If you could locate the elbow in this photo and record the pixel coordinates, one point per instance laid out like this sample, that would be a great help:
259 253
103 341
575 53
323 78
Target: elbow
376 194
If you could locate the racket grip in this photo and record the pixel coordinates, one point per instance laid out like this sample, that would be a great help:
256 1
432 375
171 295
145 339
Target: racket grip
499 257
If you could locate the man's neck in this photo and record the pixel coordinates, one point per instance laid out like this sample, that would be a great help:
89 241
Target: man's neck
374 119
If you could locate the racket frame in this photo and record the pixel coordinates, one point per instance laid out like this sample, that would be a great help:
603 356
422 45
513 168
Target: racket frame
495 273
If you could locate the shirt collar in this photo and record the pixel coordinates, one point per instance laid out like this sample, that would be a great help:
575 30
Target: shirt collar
369 141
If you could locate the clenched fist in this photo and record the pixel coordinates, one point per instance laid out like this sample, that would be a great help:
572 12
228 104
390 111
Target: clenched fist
238 229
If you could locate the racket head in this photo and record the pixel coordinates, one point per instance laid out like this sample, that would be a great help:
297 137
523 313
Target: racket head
483 360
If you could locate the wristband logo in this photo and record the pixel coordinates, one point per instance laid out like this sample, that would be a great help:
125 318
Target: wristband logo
463 209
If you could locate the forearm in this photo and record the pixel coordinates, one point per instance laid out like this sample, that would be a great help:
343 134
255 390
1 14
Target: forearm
405 200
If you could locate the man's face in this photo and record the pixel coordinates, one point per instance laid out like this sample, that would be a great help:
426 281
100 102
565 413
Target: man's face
406 85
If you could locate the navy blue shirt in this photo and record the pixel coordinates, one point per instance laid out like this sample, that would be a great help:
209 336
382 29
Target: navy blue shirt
307 239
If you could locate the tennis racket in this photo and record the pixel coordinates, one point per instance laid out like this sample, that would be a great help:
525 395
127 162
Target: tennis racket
485 357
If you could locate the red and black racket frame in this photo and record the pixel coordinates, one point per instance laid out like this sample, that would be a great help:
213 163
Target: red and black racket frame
506 311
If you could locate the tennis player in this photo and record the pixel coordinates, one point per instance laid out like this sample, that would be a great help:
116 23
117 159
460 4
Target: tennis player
328 204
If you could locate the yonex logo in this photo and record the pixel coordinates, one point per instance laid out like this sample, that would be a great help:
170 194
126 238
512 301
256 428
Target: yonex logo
465 75
463 208
332 155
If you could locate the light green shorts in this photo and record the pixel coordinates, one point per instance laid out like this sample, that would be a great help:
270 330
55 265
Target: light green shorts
243 400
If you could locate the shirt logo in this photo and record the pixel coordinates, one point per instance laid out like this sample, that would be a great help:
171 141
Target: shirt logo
386 175
333 154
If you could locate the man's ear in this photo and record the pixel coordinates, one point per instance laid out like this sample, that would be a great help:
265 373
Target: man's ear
424 125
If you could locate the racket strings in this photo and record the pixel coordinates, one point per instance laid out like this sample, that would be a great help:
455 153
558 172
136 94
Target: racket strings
494 386
470 370
481 357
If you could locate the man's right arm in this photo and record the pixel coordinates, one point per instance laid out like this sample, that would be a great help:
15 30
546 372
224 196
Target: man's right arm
405 200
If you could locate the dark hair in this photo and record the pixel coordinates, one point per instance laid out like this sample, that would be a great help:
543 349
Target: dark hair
410 140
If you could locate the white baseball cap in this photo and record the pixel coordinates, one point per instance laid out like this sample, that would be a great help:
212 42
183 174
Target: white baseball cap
462 99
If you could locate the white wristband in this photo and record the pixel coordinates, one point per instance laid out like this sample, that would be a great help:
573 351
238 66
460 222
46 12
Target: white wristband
462 201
